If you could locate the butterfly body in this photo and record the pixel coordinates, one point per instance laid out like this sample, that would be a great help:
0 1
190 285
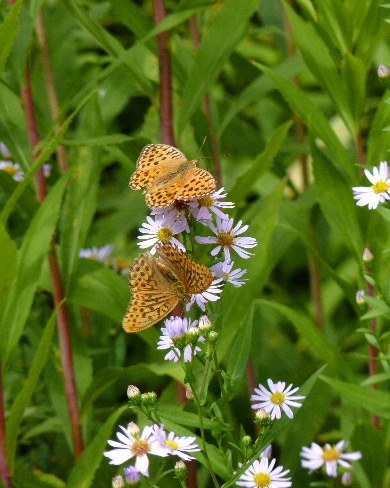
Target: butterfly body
160 284
168 176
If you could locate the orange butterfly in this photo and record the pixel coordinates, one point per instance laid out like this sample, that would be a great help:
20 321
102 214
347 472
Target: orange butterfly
159 284
168 176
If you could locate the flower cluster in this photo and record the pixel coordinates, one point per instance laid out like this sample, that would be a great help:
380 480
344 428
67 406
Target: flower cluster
167 223
152 440
330 457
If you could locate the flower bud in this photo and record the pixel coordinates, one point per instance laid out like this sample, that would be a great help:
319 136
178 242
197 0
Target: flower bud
246 441
118 482
262 418
189 393
347 479
149 399
180 470
134 395
360 294
133 429
383 71
213 337
132 475
367 255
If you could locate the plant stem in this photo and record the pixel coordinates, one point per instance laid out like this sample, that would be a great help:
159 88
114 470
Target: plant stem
4 468
51 88
165 71
63 322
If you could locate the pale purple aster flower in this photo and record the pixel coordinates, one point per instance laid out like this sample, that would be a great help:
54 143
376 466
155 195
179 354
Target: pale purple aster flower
13 169
132 475
5 152
211 203
209 295
135 443
315 456
226 238
263 474
174 445
178 337
162 229
224 270
276 399
379 190
174 212
96 253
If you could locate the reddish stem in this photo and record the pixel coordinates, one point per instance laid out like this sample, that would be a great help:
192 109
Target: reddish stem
165 70
59 295
4 468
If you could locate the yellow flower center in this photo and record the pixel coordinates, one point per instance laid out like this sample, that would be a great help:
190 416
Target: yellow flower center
205 201
11 170
225 239
140 447
262 479
380 187
164 234
277 398
330 454
226 276
172 444
122 263
93 256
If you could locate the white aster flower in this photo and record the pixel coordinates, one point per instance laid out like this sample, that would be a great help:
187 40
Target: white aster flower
276 399
174 445
178 336
262 474
379 190
211 203
315 456
226 238
209 295
96 253
13 169
135 443
224 270
162 229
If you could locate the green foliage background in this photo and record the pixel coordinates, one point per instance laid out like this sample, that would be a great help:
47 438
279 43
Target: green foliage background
263 81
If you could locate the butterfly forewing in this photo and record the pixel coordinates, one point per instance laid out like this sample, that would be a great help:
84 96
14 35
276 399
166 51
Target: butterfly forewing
153 296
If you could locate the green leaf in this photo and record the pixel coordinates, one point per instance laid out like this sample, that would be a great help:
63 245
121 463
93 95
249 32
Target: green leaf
106 140
318 59
81 476
32 254
314 338
176 414
238 357
224 33
261 165
334 195
24 396
235 300
313 118
7 33
82 195
48 146
8 266
374 401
